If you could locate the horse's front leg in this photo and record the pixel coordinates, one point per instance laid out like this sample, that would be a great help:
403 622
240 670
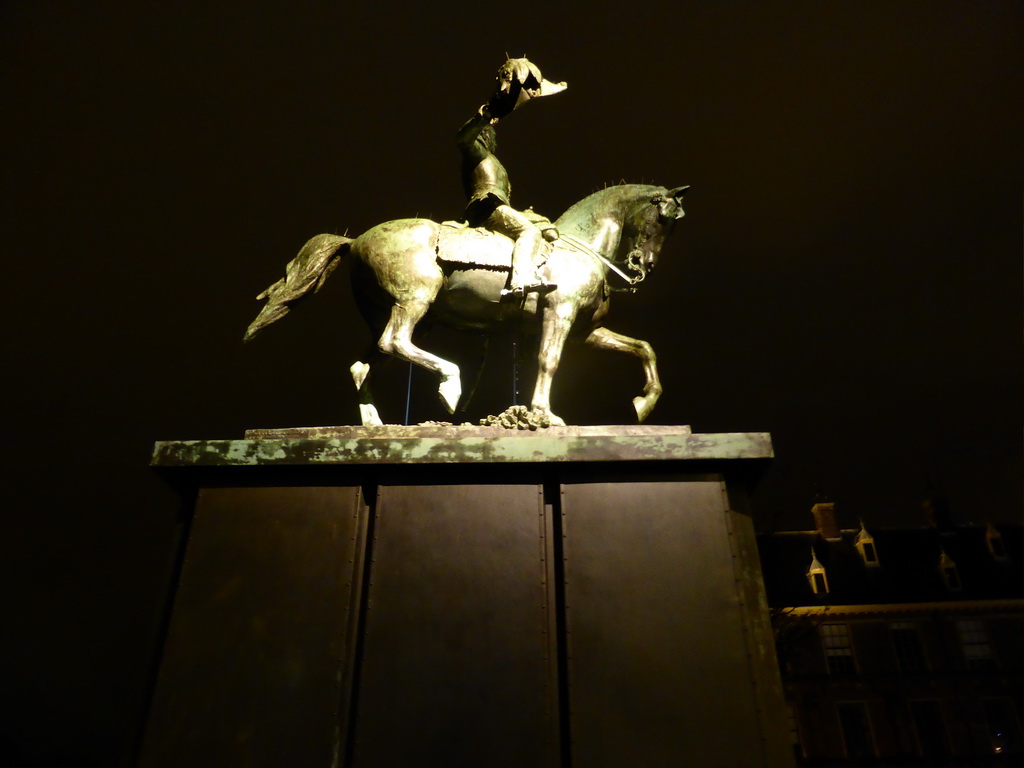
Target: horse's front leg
602 338
555 330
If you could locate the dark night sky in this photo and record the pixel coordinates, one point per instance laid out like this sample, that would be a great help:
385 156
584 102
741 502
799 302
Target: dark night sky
848 276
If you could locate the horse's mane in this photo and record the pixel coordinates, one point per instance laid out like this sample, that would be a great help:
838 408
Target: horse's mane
623 183
625 197
626 191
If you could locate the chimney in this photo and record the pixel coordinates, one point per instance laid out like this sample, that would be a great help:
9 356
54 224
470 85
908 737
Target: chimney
824 512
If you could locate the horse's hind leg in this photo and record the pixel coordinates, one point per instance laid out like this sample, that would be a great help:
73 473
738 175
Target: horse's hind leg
602 338
397 340
361 375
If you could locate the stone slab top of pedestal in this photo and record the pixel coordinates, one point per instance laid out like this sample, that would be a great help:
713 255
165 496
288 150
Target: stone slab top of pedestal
453 445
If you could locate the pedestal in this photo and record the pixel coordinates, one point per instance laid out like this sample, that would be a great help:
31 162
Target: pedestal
455 596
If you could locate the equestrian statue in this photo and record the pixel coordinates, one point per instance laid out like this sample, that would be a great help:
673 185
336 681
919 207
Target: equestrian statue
500 268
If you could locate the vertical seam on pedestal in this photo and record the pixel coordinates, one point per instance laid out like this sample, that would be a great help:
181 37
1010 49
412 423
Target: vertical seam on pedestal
560 554
357 631
741 596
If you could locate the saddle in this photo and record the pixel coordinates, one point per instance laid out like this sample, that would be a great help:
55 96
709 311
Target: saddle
459 243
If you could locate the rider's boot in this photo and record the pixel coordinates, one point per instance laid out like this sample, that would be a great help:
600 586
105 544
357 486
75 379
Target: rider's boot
525 277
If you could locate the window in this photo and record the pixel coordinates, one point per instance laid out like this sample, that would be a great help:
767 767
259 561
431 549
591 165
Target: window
835 638
929 728
995 545
994 540
906 639
952 578
975 644
949 573
816 575
868 550
853 720
865 544
1004 735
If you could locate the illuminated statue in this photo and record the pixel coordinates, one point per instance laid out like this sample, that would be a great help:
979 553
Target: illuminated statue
457 275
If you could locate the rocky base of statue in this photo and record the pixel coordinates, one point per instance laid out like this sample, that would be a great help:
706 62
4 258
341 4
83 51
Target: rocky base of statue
513 417
518 417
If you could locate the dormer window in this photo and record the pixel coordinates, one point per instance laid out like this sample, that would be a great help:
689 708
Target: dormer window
865 544
994 541
816 576
950 574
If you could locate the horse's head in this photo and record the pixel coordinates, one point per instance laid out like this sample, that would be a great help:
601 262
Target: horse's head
627 222
652 221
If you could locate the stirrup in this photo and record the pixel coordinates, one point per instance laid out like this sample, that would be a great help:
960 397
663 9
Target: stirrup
521 290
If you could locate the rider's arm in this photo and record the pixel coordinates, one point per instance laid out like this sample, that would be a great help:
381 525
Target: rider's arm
468 137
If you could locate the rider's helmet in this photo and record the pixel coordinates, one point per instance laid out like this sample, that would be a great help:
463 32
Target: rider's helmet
520 80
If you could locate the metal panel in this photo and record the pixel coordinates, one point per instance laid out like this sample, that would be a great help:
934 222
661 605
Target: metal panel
659 668
261 630
457 665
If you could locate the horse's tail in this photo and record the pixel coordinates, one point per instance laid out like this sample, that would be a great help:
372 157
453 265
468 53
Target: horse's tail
304 274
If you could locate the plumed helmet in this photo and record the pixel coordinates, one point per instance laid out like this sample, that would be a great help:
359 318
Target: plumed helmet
520 80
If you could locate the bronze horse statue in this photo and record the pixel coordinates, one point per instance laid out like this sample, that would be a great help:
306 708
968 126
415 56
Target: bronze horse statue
409 269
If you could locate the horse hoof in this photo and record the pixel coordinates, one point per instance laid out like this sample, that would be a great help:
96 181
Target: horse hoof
450 391
359 371
369 416
556 421
643 408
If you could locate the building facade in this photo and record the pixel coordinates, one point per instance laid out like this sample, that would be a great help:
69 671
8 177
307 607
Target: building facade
899 647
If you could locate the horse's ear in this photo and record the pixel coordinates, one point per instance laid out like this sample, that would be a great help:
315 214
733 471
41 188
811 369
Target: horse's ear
677 195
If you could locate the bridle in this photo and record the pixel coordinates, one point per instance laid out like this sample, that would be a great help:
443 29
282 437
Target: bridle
634 261
635 258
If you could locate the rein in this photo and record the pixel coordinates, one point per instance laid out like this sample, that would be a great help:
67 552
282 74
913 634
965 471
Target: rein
633 261
635 258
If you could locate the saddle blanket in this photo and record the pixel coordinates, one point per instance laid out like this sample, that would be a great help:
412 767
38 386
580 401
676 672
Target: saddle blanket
459 243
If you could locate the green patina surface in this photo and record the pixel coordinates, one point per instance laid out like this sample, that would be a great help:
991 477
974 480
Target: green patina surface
378 448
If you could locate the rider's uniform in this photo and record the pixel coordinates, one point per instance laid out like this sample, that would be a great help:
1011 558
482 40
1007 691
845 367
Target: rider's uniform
488 189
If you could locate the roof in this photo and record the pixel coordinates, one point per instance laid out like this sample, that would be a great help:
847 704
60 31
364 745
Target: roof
908 569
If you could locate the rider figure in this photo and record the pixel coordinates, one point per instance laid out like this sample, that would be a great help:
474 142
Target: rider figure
486 180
